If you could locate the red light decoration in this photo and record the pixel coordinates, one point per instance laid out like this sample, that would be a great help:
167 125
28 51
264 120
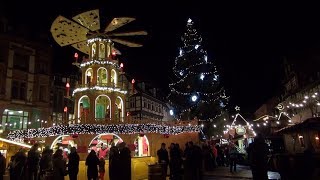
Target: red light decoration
67 89
65 109
76 55
114 53
121 67
132 82
166 135
75 135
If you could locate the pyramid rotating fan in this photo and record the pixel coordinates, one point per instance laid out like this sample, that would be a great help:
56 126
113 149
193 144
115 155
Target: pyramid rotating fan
85 26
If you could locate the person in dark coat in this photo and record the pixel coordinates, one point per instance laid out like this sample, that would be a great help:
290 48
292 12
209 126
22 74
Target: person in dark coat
175 162
125 161
113 162
19 165
73 164
46 161
10 167
258 157
92 163
33 162
163 158
59 165
233 157
102 169
3 165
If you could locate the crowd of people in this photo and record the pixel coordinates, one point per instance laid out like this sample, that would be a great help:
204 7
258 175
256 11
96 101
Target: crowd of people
194 159
187 163
190 162
36 165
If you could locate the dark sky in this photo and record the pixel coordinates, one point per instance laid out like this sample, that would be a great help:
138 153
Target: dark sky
246 40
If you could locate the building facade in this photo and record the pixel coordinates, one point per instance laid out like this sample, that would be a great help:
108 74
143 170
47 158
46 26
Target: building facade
25 69
300 99
144 102
62 102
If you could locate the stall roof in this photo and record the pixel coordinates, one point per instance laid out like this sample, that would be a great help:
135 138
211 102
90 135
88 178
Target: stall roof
311 123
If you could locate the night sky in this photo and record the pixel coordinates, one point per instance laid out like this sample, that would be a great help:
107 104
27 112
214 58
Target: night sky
246 40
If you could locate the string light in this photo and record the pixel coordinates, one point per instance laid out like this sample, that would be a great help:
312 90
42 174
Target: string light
99 88
101 129
98 62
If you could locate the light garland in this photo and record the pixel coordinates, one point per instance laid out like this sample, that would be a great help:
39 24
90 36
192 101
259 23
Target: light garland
102 129
197 92
99 88
97 39
99 62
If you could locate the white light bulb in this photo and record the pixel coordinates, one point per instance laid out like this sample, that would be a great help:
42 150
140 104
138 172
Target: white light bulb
194 98
171 112
196 46
206 58
201 76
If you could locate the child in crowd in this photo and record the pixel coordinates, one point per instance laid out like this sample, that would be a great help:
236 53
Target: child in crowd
101 168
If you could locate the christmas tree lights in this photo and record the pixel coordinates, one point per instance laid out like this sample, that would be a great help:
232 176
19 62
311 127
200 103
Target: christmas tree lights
196 90
102 129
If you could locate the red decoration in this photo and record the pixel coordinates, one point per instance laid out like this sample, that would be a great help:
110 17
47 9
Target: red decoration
75 135
141 135
68 89
121 67
133 81
65 109
106 137
76 56
67 138
166 135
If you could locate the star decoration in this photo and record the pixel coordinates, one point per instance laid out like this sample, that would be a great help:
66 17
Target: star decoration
237 108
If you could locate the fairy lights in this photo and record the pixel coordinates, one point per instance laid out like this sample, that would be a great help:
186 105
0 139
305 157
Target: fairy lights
89 41
99 62
101 129
99 88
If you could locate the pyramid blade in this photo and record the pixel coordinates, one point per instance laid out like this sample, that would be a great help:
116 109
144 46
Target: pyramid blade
89 19
66 32
82 46
118 22
136 33
126 43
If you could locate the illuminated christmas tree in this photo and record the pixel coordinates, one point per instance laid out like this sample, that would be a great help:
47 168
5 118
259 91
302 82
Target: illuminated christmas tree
196 91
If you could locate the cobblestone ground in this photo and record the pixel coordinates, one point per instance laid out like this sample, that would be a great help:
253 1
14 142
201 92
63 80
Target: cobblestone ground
243 172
